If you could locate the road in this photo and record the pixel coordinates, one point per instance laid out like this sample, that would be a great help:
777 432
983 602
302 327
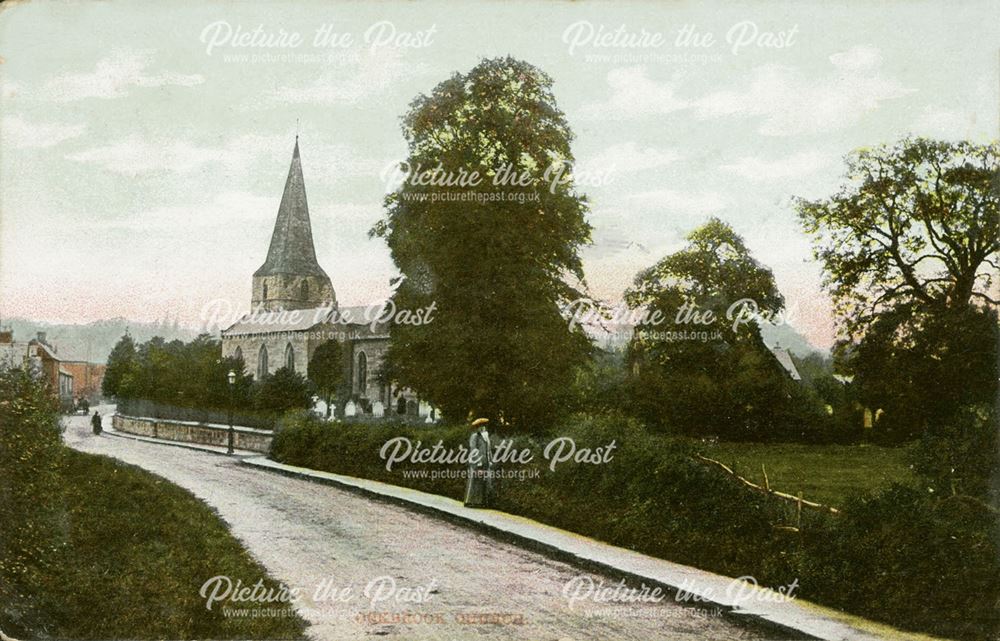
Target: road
309 535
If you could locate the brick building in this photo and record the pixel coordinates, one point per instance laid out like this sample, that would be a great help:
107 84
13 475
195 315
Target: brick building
87 378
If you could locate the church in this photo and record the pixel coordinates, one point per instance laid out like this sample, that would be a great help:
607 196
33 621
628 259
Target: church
294 310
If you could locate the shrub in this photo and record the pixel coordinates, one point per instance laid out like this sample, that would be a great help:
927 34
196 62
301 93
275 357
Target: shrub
913 558
282 391
958 456
31 502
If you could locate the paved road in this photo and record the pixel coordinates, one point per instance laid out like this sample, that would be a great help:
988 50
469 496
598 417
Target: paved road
309 535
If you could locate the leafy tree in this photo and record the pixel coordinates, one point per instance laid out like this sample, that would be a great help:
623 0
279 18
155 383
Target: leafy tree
915 225
282 391
326 370
176 373
909 246
121 362
495 260
714 374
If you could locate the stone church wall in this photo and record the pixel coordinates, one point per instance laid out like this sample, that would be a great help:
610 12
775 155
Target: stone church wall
286 291
276 344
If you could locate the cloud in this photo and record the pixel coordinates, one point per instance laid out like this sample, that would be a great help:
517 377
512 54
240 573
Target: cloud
136 156
375 72
113 77
761 170
942 122
628 157
791 103
21 134
667 201
859 58
231 208
633 95
609 239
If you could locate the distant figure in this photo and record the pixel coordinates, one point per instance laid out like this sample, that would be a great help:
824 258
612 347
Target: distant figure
95 422
479 487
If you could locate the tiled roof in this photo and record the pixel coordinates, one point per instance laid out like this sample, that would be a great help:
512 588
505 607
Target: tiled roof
292 250
302 319
46 348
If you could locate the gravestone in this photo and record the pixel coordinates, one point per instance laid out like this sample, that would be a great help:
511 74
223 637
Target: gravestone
350 410
378 409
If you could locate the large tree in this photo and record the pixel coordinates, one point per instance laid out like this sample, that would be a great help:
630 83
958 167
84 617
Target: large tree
914 225
909 246
698 362
495 260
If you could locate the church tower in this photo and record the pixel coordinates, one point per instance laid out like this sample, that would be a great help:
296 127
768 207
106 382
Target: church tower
291 278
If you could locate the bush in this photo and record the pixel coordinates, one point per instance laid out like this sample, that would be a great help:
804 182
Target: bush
959 456
913 558
306 440
32 461
282 391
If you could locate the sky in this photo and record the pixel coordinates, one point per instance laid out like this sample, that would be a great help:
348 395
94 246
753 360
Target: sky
144 148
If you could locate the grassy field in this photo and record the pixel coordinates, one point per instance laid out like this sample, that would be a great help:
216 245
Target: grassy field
123 555
825 473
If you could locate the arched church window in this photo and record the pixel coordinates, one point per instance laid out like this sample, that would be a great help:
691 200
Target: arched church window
290 357
305 290
362 373
262 363
265 291
238 354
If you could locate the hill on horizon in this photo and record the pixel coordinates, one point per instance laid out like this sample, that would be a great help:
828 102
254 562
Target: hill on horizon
93 342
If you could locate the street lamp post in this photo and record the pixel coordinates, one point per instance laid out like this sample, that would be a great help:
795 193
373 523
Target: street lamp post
232 386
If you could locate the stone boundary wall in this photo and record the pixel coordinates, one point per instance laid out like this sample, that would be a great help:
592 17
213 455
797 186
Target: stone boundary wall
244 438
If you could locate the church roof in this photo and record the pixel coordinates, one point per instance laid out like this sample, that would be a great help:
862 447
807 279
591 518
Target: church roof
292 250
299 320
785 359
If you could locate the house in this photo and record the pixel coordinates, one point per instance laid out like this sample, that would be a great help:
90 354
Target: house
39 358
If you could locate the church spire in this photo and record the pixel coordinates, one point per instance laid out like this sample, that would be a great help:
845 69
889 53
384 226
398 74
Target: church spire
292 251
290 277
